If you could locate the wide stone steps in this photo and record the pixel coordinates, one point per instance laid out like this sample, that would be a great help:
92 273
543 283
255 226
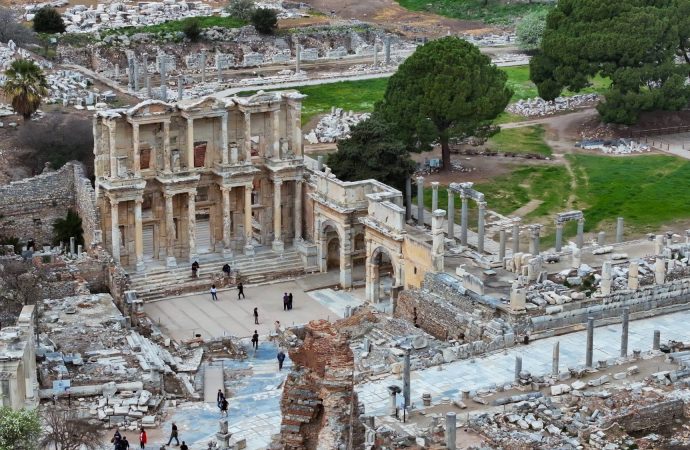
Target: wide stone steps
158 283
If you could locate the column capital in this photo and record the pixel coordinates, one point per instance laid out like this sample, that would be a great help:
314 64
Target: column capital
420 180
278 181
481 204
114 202
168 196
249 185
435 184
139 200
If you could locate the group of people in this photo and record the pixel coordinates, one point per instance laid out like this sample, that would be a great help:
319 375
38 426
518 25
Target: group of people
287 301
214 292
222 403
120 442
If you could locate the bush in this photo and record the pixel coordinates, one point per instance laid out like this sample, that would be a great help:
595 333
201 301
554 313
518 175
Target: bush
265 20
48 20
530 30
12 29
241 9
192 29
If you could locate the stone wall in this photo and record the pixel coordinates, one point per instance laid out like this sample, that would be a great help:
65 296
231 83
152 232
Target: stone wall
85 205
319 405
649 417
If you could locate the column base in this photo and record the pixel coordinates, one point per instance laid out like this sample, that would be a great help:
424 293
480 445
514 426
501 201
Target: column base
278 246
170 261
141 267
346 278
249 250
227 253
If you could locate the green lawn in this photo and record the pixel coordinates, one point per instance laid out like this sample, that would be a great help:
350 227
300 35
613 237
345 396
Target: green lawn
173 26
520 140
523 88
488 11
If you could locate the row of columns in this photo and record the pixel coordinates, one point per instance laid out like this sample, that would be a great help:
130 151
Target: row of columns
579 240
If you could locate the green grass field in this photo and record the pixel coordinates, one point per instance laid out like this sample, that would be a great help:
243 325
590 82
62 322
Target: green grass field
174 26
520 140
488 11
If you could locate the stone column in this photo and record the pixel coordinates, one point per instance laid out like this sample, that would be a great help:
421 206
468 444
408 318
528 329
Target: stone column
346 259
434 195
606 279
180 88
624 333
138 235
278 245
112 144
450 430
534 239
203 66
135 149
387 43
170 260
164 81
451 214
555 358
135 66
248 246
392 404
149 91
656 344
247 137
224 138
463 219
227 223
559 236
115 229
516 237
438 248
590 342
408 199
298 210
619 230
480 227
276 135
660 271
580 232
501 244
633 280
376 54
219 67
191 226
298 58
406 378
420 201
518 368
166 147
190 143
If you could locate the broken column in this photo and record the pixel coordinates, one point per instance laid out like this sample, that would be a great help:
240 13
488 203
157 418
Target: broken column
633 280
463 219
298 58
590 342
164 87
518 368
624 333
601 238
376 54
180 88
135 69
516 236
406 378
130 70
580 232
619 230
420 201
203 65
223 436
450 430
575 258
534 239
438 249
559 236
660 271
72 246
501 244
451 214
408 199
518 297
480 227
387 43
606 280
219 67
656 344
392 404
555 358
434 195
659 245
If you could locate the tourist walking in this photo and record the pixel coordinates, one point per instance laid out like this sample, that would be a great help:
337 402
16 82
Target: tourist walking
143 438
256 316
124 445
290 301
219 397
195 269
117 437
240 290
214 293
255 340
281 358
285 301
173 435
224 407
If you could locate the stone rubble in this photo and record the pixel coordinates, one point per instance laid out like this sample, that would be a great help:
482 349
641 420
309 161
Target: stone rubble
614 146
335 126
538 107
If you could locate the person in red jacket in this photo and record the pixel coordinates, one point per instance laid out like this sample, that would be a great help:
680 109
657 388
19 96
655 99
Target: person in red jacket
142 438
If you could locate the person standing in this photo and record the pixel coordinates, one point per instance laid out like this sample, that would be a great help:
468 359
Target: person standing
142 438
240 290
124 445
219 397
255 340
226 269
290 301
214 293
184 446
117 437
173 435
224 407
281 358
256 316
195 269
285 301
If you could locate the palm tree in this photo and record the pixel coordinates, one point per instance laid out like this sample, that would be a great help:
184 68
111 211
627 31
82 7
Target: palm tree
25 85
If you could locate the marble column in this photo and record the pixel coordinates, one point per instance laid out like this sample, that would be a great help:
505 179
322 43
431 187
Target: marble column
559 236
501 244
276 135
387 43
624 332
202 65
138 235
298 58
590 342
555 358
434 195
406 378
480 227
420 201
224 138
451 431
451 214
656 343
112 134
580 232
166 147
180 88
296 135
190 143
619 230
247 137
346 259
191 226
534 240
408 199
219 68
516 237
135 66
135 150
164 81
115 229
227 222
170 260
463 219
278 245
518 368
248 237
298 210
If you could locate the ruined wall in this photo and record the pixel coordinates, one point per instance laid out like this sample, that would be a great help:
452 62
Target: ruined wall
29 207
649 417
417 262
319 405
85 205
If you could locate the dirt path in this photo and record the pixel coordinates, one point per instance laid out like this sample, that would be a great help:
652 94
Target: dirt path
528 208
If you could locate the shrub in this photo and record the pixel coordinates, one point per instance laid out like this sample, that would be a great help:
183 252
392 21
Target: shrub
265 20
241 9
192 29
48 20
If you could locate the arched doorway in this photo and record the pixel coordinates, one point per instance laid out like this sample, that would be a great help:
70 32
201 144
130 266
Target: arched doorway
381 276
333 254
330 247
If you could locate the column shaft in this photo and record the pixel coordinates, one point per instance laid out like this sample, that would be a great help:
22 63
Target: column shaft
227 230
224 138
169 232
590 342
408 199
298 210
624 332
277 213
138 235
112 129
406 378
463 220
434 196
516 238
166 147
559 237
115 229
191 226
580 232
248 247
276 135
190 143
451 214
480 227
136 165
247 137
619 230
420 201
556 358
502 244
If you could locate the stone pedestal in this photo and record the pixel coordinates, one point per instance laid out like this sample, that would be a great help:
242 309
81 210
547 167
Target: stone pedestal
223 436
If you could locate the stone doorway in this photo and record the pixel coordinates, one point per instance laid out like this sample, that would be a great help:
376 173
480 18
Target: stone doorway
333 255
148 238
203 234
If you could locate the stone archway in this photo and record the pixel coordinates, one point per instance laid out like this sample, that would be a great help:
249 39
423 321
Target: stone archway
382 274
333 253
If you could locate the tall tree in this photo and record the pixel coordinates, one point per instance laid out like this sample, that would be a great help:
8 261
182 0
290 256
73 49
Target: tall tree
65 430
372 151
633 42
48 20
19 430
25 85
265 20
447 89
